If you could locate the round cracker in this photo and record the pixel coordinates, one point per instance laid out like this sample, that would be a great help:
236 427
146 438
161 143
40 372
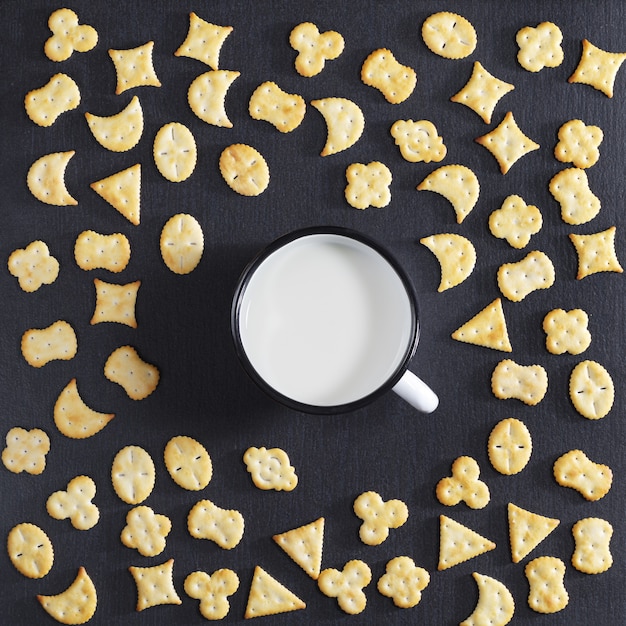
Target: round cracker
133 474
30 550
244 169
449 35
182 243
591 390
175 152
509 446
188 463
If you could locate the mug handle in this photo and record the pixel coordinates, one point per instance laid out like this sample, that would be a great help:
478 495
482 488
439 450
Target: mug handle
416 392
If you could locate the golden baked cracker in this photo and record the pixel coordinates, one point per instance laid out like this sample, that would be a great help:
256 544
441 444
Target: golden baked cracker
269 597
68 36
46 179
56 342
534 271
33 266
212 591
418 141
449 35
507 143
93 250
175 153
244 169
74 418
115 303
403 582
382 71
566 331
26 450
482 92
207 96
225 527
75 503
539 47
181 243
344 123
119 132
570 188
547 593
378 516
145 531
126 368
592 554
188 463
509 446
596 253
30 550
527 383
204 41
527 530
456 255
347 585
597 68
133 474
368 185
591 390
463 485
456 183
285 111
458 543
576 470
314 48
134 67
76 605
122 191
515 221
578 144
155 585
487 328
304 546
270 469
59 95
495 604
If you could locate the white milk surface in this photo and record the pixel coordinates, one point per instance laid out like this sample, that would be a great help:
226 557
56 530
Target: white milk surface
325 320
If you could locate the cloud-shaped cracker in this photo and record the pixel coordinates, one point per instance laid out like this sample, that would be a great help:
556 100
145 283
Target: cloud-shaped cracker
515 221
33 266
578 144
368 185
26 450
270 469
539 47
403 581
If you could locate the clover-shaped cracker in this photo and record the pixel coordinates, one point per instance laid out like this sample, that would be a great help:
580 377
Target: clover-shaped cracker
578 144
26 450
597 68
212 591
539 47
314 48
368 185
33 266
596 253
206 520
403 581
145 531
68 36
566 331
570 188
75 503
270 469
347 585
418 141
463 485
378 516
515 221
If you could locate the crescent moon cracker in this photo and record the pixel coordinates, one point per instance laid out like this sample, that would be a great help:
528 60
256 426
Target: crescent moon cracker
344 122
119 132
46 179
495 603
456 255
76 605
207 96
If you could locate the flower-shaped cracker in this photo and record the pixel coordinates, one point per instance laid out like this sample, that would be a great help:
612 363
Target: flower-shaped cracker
403 581
378 516
418 141
145 531
33 266
212 591
566 331
314 48
270 469
75 503
463 485
26 450
68 35
515 221
368 185
578 144
540 47
347 585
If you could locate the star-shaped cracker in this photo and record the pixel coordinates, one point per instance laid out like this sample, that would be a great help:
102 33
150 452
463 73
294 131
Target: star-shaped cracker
515 221
578 144
204 41
33 266
596 253
134 67
155 585
68 35
597 68
539 47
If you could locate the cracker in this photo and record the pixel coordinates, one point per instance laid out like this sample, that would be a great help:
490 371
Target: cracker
270 469
449 35
267 596
517 280
527 530
509 446
204 41
382 71
56 342
314 48
155 585
347 585
566 331
457 184
188 463
26 450
244 169
115 303
507 143
207 96
175 153
46 179
134 67
145 531
570 188
33 266
578 144
181 243
547 592
344 123
74 418
463 485
596 253
378 516
304 545
418 141
285 111
59 95
76 605
94 250
515 221
75 503
119 132
122 191
591 390
527 383
458 543
225 527
368 185
539 47
212 591
456 255
403 582
30 550
126 368
597 68
487 328
68 36
482 92
133 474
576 470
495 604
592 554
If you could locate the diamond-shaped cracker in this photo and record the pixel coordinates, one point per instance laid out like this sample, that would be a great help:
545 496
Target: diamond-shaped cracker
204 41
527 530
456 255
123 192
134 67
597 68
507 143
115 303
596 253
482 92
155 585
269 597
487 328
304 545
458 543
